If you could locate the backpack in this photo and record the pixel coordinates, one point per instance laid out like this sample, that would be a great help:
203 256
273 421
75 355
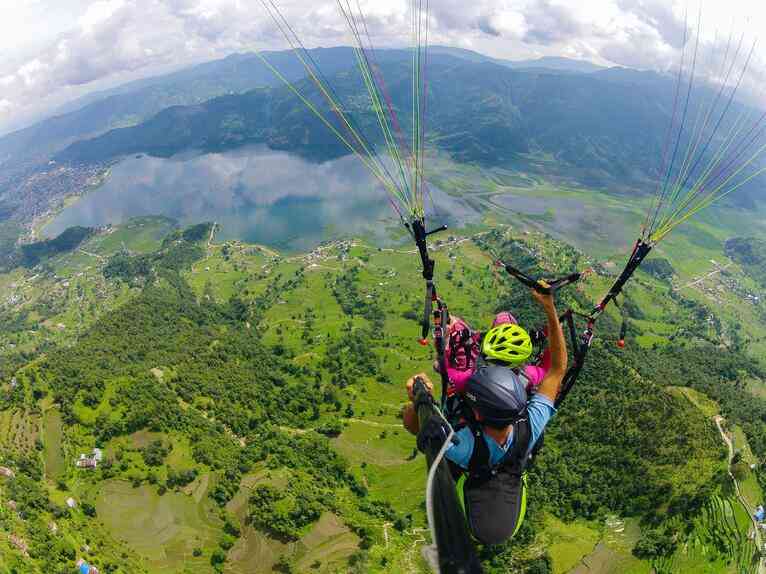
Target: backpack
494 498
460 354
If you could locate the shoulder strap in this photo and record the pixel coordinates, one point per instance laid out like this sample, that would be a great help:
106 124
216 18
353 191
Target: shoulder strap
479 463
516 460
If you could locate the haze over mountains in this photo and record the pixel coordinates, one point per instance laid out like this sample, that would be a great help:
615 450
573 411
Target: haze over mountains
604 127
135 101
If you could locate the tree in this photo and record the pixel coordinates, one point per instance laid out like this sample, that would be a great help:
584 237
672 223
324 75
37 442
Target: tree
217 557
740 471
654 544
155 453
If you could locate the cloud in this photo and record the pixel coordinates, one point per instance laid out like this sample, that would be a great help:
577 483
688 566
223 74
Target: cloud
551 23
113 40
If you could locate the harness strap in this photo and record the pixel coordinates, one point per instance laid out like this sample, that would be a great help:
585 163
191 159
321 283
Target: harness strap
480 458
515 460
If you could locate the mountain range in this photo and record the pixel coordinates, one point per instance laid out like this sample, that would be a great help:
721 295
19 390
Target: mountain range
604 128
139 100
560 118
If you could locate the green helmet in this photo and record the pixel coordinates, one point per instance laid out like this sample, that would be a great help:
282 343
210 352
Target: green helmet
508 343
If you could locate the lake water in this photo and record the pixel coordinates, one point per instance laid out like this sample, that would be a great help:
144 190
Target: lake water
255 194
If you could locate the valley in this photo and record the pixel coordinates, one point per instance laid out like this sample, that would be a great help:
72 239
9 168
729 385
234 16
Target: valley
376 521
208 311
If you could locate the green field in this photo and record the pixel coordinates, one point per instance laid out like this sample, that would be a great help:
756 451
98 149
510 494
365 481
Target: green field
18 431
719 542
55 462
164 530
708 407
613 553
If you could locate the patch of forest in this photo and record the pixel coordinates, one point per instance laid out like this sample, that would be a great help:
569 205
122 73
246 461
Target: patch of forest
750 252
68 240
621 444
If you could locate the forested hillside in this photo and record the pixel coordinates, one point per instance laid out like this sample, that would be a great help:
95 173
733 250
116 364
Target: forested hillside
603 128
246 407
751 253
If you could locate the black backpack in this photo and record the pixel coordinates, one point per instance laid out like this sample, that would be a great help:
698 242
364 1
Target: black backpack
494 497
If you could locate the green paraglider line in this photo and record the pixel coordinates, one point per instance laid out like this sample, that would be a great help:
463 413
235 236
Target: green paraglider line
683 115
671 205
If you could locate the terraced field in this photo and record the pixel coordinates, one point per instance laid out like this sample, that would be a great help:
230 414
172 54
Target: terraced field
719 542
164 530
55 463
19 430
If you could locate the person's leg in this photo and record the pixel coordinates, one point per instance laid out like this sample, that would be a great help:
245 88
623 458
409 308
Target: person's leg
410 418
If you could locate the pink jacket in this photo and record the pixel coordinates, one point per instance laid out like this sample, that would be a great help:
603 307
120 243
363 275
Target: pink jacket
462 350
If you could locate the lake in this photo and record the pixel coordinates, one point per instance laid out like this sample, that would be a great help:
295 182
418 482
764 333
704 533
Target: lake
256 195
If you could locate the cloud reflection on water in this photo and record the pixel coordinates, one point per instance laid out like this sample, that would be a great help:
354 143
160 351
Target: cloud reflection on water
256 194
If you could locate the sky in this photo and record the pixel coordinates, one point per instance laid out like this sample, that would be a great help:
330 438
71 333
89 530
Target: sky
52 51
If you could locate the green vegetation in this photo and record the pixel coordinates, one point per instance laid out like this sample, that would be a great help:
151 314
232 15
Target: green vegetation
305 461
34 253
55 463
165 529
751 253
9 234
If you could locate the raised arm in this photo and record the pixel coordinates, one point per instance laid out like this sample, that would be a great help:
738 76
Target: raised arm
558 348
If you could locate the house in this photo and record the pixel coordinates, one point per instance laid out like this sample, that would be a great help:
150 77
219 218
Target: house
86 462
91 461
71 502
7 472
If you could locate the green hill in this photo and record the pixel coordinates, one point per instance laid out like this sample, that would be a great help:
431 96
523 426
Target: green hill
604 128
751 253
247 408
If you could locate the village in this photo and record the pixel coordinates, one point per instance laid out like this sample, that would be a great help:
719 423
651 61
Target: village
720 280
81 565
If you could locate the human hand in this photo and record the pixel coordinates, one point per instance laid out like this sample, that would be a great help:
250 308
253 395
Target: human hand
544 299
411 384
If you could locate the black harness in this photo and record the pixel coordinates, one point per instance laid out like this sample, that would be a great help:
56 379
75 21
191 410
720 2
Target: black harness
494 496
515 461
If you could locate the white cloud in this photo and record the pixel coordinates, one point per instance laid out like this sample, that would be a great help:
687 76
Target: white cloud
97 14
90 43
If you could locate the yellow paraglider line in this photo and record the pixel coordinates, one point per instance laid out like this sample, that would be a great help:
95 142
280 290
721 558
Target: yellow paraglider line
405 191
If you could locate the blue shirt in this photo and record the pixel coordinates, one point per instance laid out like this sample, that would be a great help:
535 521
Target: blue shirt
540 410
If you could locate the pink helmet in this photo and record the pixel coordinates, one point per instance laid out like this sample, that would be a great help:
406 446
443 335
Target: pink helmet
504 317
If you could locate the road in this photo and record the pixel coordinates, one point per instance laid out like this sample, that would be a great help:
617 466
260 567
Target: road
758 539
707 276
212 234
